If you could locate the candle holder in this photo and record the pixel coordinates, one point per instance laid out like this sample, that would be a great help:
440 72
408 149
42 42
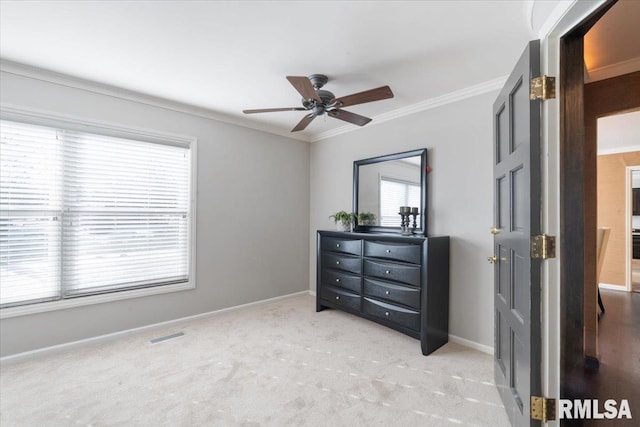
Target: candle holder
415 216
405 221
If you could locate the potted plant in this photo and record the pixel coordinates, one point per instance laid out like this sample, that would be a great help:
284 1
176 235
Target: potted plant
343 220
366 218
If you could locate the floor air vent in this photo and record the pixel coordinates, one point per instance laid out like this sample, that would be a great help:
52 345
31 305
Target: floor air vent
168 337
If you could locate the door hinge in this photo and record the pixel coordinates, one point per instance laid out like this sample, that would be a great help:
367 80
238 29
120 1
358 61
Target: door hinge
543 247
543 409
543 87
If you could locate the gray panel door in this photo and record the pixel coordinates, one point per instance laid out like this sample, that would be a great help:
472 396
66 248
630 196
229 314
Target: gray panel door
517 205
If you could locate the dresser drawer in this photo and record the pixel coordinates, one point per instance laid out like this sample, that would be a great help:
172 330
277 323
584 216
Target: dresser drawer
342 280
395 251
341 297
347 246
392 271
405 295
392 313
342 262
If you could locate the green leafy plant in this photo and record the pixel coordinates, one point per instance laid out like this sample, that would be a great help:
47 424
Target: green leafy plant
344 217
366 218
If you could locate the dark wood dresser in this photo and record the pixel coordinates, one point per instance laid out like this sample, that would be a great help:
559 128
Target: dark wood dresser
400 282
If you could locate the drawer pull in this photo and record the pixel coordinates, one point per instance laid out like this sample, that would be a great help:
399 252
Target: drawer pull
386 313
387 272
337 262
337 297
388 251
337 245
338 280
387 292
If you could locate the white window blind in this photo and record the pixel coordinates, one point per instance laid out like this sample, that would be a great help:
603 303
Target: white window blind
82 214
393 194
30 208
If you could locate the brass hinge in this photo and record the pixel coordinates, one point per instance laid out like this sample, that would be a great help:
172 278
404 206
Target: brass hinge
543 247
543 409
543 87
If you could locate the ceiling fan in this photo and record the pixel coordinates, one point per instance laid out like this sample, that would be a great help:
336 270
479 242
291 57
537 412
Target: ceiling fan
318 101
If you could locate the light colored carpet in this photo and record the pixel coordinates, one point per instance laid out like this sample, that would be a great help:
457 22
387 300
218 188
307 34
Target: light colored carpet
277 364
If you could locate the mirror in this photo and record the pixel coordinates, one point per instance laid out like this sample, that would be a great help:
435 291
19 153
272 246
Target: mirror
381 185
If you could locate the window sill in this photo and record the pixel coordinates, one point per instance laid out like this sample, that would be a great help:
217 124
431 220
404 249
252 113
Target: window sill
24 310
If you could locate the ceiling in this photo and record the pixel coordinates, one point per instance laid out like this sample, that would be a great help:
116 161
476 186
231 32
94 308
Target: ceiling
612 45
226 56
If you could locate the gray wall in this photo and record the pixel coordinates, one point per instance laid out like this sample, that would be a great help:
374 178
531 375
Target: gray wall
459 139
252 217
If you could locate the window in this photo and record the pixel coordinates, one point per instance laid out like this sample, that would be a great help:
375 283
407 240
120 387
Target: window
84 213
393 194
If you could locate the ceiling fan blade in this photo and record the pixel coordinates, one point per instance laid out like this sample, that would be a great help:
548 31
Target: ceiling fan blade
273 110
350 117
304 87
371 95
304 122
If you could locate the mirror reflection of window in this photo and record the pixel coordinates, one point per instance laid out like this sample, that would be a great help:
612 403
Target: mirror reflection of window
393 194
402 187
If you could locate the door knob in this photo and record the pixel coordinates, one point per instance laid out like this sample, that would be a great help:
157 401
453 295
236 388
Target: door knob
494 230
492 259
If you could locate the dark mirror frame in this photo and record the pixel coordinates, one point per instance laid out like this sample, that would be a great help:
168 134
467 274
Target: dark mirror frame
422 218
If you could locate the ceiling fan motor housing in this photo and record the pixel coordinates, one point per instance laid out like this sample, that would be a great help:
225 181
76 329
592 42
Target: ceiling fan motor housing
318 80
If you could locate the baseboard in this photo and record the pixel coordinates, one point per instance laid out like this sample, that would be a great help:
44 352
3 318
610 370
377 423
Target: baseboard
467 343
612 287
21 357
471 344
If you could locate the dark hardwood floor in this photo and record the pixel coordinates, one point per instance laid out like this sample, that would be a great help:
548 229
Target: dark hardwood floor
635 275
619 344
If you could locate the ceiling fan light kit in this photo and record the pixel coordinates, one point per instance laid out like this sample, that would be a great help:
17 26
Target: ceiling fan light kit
318 101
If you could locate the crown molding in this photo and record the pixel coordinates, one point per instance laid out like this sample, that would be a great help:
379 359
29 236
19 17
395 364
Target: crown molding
429 104
612 70
36 73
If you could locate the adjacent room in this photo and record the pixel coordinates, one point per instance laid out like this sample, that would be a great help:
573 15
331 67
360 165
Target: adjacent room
269 213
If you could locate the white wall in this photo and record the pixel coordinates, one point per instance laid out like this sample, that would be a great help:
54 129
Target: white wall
459 139
619 133
252 217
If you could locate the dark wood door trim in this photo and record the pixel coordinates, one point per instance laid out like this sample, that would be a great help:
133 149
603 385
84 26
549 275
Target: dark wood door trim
578 162
607 97
572 224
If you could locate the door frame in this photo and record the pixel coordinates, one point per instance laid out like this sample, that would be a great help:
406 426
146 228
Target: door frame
628 224
576 144
550 23
560 21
